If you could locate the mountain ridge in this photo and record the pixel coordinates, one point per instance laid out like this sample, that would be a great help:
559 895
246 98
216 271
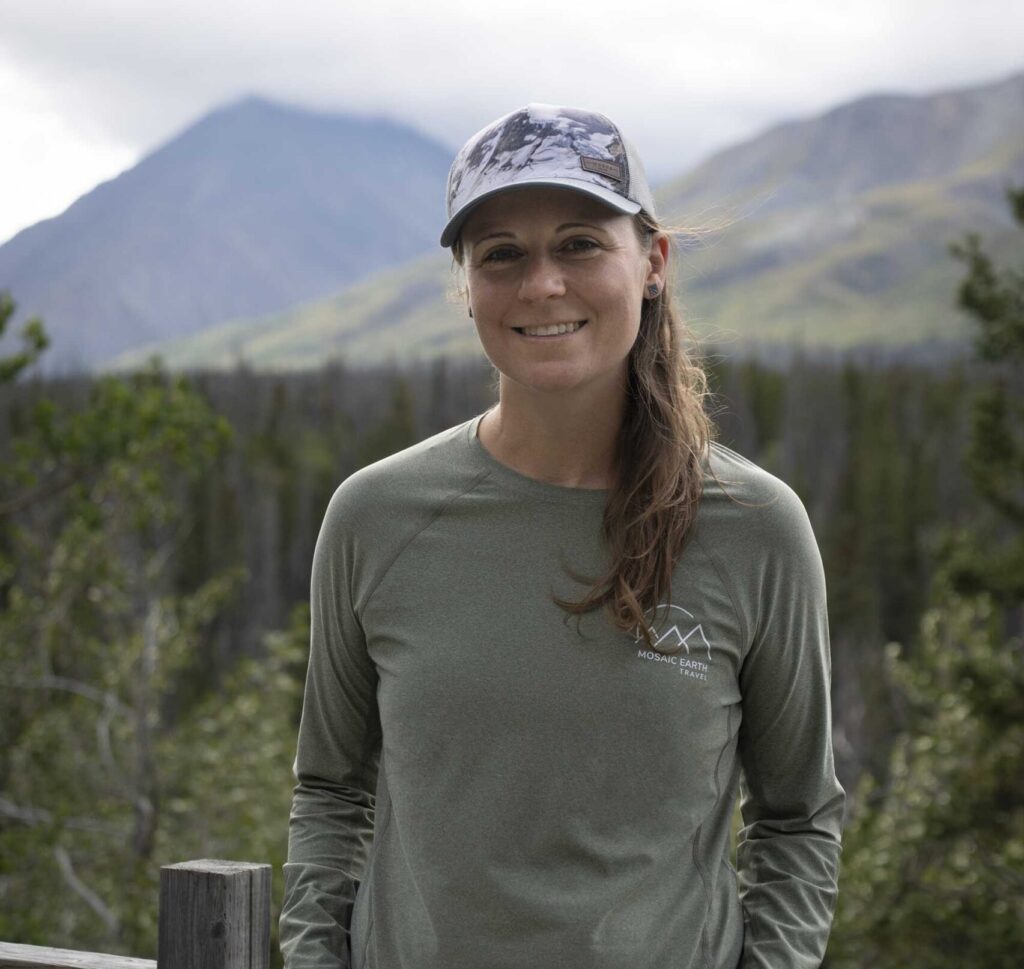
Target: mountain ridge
271 232
827 231
254 207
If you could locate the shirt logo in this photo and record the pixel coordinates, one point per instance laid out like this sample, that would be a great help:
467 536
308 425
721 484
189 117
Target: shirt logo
675 628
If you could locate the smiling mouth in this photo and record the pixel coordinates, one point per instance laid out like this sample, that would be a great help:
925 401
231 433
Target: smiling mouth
556 329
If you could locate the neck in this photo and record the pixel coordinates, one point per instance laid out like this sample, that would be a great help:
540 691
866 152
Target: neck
562 439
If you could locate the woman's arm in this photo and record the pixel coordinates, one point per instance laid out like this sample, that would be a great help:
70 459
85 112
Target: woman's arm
331 823
791 802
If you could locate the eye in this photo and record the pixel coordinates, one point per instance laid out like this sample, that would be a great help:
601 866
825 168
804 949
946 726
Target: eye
501 254
581 245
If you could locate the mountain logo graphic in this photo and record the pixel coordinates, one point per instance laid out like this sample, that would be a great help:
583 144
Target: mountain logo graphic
673 626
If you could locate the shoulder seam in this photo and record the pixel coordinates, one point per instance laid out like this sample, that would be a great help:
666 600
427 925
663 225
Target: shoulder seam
730 592
430 521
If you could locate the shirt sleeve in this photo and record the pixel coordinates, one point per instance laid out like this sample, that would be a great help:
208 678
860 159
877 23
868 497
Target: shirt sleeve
331 821
791 802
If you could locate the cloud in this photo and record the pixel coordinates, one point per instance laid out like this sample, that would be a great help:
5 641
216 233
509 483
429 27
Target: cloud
680 77
47 161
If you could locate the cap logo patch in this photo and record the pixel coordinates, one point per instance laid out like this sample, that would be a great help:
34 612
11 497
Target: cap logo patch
601 167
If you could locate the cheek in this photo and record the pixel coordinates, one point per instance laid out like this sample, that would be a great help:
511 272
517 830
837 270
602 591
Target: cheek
482 295
624 304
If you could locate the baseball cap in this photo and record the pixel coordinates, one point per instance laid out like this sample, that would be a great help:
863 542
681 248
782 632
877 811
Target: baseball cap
546 144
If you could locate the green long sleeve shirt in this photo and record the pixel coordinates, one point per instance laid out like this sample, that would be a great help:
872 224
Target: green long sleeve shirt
485 782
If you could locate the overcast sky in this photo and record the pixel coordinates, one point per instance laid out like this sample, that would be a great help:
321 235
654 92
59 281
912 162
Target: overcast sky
88 87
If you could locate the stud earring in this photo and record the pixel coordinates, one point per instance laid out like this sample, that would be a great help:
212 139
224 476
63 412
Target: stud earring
653 290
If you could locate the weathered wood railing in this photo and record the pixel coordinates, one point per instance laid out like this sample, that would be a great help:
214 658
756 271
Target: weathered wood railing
213 915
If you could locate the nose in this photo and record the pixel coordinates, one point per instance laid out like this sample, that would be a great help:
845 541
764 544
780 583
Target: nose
542 278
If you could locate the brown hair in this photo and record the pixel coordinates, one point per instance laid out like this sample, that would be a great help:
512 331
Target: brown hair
663 441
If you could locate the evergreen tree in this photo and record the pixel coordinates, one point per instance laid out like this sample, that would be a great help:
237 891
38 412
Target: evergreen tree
106 770
995 462
933 861
396 430
33 335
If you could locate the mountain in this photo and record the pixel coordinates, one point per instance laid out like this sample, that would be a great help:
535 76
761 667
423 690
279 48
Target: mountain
831 230
836 229
256 207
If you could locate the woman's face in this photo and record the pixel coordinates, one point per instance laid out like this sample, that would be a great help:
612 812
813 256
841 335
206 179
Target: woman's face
546 257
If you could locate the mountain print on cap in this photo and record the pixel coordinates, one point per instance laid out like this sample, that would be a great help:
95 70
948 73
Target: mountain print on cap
531 144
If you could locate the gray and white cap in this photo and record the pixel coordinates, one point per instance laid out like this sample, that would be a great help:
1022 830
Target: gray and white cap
546 144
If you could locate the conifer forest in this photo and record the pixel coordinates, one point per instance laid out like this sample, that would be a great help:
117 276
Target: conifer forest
156 535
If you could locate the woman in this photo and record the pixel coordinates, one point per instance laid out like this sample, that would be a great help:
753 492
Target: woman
549 647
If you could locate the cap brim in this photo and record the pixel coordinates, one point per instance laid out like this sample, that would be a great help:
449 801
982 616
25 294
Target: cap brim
606 195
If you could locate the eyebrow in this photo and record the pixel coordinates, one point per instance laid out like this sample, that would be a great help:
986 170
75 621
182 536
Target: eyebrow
564 225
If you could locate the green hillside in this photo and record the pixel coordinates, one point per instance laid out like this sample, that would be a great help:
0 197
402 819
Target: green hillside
885 276
397 315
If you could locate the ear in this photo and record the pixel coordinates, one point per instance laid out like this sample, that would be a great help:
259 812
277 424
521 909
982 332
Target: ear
460 289
658 260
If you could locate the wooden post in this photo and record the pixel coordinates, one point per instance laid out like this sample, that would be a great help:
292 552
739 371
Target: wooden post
214 915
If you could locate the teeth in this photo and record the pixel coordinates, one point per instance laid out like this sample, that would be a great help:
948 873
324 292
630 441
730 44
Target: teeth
552 330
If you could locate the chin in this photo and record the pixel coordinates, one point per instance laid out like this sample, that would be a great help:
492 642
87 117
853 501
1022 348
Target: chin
562 382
